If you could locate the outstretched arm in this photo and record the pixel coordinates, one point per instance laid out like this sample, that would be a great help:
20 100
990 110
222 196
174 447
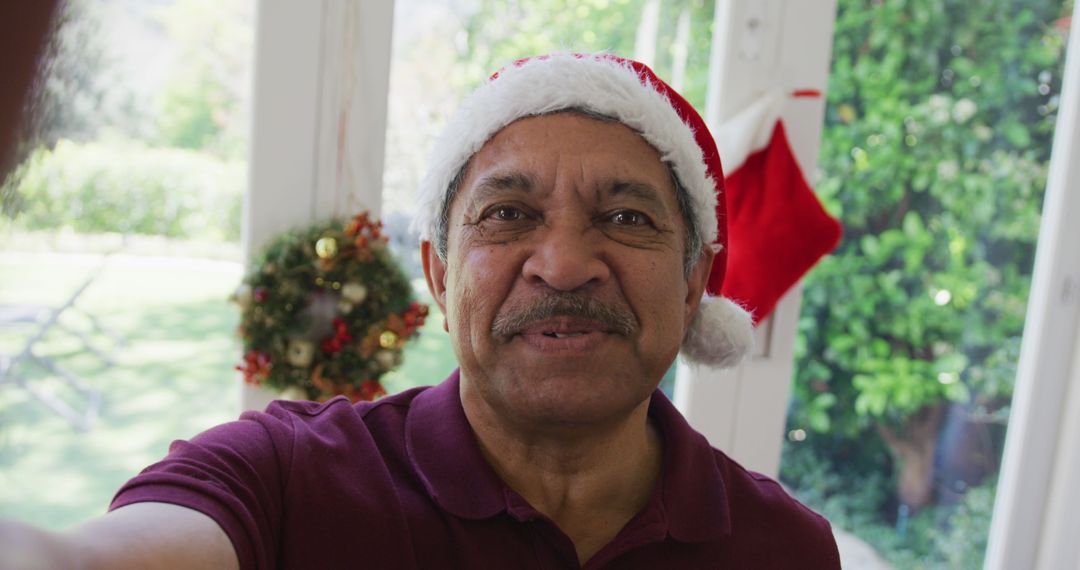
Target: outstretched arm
141 535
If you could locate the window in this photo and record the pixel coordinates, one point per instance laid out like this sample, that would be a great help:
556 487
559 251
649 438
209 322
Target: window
122 250
934 155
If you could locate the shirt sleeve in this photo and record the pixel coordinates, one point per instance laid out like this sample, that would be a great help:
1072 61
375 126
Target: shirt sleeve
233 473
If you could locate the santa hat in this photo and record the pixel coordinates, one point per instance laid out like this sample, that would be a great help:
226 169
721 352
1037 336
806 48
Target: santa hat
720 332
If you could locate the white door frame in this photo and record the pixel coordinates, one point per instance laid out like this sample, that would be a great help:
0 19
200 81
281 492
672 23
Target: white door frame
759 46
322 75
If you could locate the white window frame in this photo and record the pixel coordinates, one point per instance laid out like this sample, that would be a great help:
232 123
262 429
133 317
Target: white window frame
322 75
1036 520
762 44
759 46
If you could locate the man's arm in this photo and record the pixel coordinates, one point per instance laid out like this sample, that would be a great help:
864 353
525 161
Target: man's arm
141 535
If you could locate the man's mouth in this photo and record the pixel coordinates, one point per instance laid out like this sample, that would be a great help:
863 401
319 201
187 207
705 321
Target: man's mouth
564 327
551 334
565 336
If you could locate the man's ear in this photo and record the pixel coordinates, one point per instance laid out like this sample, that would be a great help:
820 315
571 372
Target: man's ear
697 279
435 274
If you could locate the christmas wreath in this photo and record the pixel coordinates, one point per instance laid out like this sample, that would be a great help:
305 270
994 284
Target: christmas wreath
326 310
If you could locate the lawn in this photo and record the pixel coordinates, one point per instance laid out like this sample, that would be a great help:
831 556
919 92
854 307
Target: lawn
172 378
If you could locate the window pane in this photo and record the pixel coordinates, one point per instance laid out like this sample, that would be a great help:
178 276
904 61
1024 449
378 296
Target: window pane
934 155
120 249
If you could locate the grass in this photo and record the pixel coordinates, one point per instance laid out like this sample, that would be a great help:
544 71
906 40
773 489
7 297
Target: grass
172 378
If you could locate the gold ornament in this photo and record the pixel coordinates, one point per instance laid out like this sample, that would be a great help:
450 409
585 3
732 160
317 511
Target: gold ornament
354 292
326 248
388 339
300 353
386 359
243 296
293 393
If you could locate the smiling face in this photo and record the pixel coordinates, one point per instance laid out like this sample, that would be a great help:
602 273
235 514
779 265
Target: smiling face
564 285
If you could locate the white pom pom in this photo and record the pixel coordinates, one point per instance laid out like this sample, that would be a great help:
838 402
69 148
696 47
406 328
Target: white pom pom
721 334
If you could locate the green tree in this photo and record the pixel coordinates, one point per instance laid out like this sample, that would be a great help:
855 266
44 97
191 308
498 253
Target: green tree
934 155
80 91
501 32
204 106
80 94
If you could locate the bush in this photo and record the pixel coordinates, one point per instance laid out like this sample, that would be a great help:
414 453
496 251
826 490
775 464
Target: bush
129 188
846 488
934 154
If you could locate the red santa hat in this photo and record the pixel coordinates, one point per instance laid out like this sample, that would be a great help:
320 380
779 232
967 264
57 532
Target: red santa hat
720 333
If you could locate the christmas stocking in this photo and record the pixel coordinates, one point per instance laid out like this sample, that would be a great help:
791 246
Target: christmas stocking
777 228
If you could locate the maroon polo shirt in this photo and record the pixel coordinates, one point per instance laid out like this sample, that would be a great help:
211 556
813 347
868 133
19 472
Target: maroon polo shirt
401 483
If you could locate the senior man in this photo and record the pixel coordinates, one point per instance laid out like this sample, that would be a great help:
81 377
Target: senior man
570 227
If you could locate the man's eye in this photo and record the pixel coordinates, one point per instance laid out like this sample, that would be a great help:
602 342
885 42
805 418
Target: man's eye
507 214
629 218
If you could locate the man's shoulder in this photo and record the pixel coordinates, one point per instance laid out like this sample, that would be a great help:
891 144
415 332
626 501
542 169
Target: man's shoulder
298 429
762 509
747 488
337 410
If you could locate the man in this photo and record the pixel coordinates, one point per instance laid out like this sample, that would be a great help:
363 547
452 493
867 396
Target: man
568 225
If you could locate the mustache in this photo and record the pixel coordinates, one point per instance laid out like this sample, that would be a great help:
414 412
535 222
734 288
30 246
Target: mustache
514 318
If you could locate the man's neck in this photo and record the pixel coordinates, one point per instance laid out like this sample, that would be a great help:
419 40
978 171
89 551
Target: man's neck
590 480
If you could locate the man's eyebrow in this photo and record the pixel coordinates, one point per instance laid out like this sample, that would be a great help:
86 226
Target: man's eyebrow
636 189
497 183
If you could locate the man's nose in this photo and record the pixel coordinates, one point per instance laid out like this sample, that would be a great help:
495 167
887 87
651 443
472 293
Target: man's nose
566 259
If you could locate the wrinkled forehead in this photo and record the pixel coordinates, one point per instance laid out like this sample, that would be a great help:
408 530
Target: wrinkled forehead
601 154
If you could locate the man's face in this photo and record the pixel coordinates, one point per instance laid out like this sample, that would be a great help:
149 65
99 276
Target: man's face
564 287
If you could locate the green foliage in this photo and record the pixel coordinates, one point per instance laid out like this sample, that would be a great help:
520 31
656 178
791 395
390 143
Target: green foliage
190 115
963 545
847 482
945 537
80 94
501 32
934 155
129 188
204 105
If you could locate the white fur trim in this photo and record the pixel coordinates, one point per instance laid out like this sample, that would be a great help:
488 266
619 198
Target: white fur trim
721 334
749 130
546 85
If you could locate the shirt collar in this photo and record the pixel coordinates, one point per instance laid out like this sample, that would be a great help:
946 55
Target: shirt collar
693 495
444 453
